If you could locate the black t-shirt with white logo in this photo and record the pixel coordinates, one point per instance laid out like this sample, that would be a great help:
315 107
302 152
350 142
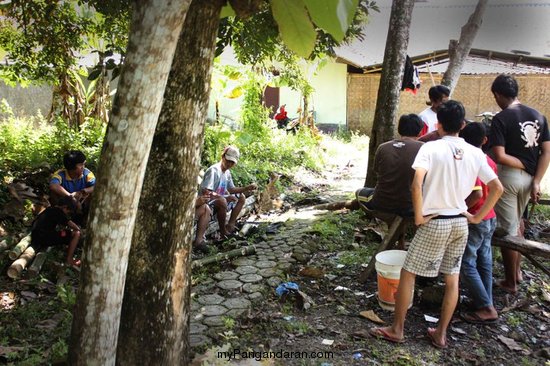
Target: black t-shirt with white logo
521 130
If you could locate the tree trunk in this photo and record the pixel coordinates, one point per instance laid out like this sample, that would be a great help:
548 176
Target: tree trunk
459 51
156 25
387 102
156 309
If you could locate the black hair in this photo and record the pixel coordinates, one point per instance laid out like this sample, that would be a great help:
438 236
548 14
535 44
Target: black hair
474 133
410 125
69 202
451 116
73 157
505 85
437 92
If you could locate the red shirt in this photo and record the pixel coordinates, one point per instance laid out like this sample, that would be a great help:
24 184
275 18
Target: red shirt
479 184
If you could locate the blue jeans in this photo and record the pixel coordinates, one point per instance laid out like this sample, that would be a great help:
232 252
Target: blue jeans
477 263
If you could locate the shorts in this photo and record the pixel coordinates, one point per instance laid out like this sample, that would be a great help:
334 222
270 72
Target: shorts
42 241
438 246
230 206
517 192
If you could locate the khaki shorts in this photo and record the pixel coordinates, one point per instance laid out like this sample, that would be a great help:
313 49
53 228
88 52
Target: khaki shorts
437 247
514 199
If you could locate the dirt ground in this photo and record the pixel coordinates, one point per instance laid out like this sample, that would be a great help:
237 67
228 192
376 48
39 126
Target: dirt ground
35 314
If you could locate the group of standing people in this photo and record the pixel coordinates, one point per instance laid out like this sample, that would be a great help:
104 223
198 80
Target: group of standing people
453 188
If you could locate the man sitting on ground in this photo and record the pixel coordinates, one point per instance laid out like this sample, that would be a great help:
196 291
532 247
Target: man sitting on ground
53 227
392 165
75 181
224 196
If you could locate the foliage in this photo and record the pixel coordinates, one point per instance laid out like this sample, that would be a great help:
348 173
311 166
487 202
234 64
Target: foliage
44 39
337 229
29 143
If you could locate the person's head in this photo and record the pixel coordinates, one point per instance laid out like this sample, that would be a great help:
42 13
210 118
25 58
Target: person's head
74 160
230 157
410 125
505 90
474 133
438 94
451 116
68 204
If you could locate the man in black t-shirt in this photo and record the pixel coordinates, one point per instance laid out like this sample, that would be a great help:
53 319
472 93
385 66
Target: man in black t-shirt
521 146
53 227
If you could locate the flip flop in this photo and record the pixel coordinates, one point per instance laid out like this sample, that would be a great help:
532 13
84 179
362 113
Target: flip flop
383 334
431 331
474 318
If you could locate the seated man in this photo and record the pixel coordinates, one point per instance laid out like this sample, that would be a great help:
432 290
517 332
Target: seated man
53 227
392 165
202 217
224 196
75 180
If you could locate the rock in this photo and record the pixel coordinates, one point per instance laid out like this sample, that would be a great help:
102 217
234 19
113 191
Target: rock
243 261
226 275
255 296
236 303
251 287
197 328
274 281
213 310
214 321
196 340
229 284
269 272
234 313
213 299
265 264
246 270
248 278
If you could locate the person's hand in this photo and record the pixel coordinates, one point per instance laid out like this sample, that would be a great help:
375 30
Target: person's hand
251 187
201 200
472 219
231 198
535 192
418 221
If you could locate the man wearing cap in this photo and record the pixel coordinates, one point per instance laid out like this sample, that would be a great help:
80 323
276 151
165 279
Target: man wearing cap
224 195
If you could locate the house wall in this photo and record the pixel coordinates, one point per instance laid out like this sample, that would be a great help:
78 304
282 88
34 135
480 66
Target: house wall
474 91
27 101
328 100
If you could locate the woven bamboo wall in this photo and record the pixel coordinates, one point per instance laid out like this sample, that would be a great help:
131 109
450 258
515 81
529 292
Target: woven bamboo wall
474 91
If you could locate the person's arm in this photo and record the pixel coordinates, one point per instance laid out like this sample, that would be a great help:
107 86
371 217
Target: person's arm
416 194
73 226
58 189
495 191
542 165
474 198
502 158
244 189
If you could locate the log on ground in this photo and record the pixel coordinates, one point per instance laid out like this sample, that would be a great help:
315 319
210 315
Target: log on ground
20 247
239 252
523 245
21 263
37 264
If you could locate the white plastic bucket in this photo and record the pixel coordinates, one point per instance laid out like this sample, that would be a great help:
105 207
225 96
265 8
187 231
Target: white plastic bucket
388 267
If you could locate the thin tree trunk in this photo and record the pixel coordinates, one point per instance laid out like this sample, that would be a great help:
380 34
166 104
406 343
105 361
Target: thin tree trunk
459 51
387 102
156 25
156 309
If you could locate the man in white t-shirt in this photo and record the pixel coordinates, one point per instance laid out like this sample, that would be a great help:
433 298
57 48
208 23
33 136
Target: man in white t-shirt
225 197
438 94
445 173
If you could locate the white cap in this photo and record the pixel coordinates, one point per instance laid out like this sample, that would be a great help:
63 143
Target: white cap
231 153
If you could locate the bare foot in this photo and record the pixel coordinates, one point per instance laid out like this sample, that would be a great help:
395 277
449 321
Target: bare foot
519 276
507 287
229 228
386 333
72 262
438 341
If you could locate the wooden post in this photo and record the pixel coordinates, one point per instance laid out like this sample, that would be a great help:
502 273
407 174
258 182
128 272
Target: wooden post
20 264
37 264
20 247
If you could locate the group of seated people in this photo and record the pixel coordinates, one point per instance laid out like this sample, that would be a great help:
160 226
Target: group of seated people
71 190
449 187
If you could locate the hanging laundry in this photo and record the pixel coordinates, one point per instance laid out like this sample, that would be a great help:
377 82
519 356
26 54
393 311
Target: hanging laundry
411 79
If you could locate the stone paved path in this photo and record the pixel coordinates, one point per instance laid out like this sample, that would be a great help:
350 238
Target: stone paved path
230 293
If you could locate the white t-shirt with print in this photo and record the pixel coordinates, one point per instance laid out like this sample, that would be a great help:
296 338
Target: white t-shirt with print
452 167
429 117
217 181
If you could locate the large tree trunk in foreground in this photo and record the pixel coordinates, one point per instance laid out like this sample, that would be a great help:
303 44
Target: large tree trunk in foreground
459 52
387 102
156 25
156 309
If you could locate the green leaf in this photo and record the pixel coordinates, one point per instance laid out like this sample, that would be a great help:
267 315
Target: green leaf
295 27
227 11
333 16
235 93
